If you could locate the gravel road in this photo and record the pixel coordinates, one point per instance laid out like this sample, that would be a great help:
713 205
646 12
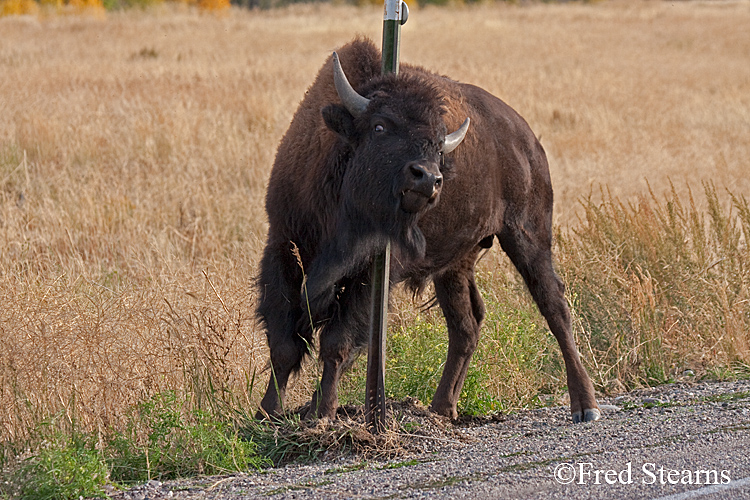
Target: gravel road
675 442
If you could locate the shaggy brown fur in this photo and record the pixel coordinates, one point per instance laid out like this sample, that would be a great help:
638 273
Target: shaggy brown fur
337 194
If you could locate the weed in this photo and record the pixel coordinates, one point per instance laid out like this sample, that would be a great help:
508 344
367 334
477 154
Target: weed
629 405
164 441
66 466
728 397
415 358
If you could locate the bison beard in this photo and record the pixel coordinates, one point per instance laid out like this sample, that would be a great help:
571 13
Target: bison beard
358 168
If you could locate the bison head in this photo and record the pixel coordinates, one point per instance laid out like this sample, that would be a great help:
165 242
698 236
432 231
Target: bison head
391 162
398 138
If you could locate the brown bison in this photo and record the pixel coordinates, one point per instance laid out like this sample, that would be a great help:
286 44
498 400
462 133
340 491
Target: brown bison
358 168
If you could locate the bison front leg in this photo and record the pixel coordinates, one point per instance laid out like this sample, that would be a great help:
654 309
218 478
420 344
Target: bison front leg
463 309
278 309
335 356
286 358
531 254
341 340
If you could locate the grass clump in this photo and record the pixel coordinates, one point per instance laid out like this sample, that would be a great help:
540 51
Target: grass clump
516 360
660 286
289 438
164 441
66 465
416 354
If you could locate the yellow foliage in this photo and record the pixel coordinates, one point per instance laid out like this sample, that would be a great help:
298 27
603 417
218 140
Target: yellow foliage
87 6
208 5
57 4
18 7
213 5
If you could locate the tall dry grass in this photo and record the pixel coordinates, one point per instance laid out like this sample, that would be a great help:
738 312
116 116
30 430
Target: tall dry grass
659 286
135 148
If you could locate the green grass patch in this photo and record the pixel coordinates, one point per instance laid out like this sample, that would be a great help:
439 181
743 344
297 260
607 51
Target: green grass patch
65 466
516 363
399 465
728 397
162 440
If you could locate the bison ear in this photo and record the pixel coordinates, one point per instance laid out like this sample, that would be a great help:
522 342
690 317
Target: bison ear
339 120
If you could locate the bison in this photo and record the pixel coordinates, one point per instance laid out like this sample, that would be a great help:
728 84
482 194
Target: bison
358 168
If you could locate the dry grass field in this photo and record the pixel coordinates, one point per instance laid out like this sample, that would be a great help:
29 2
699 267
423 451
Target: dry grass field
135 149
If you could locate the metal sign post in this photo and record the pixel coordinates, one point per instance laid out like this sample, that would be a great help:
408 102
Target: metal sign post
396 13
375 385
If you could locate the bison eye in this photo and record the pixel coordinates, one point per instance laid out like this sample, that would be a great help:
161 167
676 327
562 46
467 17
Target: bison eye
379 128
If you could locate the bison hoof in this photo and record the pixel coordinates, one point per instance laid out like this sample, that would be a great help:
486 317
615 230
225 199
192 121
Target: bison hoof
319 411
445 411
588 415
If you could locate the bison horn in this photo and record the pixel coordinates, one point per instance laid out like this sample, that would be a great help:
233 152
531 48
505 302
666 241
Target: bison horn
354 103
454 139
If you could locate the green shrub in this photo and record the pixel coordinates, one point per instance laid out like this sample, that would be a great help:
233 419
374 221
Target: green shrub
163 440
66 465
65 469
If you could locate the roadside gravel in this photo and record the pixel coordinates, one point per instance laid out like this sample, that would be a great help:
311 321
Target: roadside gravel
697 432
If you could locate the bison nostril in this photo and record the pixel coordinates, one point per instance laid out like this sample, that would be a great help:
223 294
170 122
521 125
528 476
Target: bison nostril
424 177
417 172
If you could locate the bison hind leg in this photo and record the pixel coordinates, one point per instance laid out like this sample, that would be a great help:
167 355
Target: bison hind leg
463 308
531 253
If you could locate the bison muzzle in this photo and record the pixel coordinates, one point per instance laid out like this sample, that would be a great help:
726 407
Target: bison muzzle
368 159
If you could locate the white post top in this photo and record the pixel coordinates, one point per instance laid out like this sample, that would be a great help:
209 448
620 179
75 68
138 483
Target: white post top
392 10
